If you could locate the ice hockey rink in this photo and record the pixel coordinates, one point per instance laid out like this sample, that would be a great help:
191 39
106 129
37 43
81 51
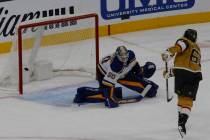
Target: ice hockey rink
53 116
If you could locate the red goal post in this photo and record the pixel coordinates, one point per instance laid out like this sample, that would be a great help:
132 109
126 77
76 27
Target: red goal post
49 22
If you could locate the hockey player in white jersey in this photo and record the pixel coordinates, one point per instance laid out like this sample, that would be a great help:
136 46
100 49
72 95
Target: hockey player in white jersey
120 67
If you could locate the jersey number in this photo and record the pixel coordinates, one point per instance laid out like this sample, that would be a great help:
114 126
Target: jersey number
195 57
111 75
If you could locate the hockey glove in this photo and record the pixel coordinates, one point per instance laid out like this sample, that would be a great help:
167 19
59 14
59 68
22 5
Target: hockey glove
168 74
166 56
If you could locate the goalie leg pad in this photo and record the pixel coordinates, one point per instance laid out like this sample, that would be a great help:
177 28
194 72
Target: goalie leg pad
84 92
139 85
110 99
93 95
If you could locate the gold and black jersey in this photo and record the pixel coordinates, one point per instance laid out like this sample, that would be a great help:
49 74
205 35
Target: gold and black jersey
189 58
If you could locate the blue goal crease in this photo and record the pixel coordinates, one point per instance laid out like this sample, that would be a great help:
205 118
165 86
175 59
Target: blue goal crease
56 97
59 96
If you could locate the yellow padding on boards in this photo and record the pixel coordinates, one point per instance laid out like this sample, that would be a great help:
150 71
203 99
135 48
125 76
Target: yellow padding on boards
67 37
158 22
5 47
59 38
186 102
130 83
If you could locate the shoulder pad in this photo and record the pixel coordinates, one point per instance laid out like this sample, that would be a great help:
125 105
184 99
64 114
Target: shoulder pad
116 65
184 40
131 57
131 54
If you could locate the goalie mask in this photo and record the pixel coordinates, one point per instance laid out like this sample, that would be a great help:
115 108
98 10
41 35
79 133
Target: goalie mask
149 69
122 54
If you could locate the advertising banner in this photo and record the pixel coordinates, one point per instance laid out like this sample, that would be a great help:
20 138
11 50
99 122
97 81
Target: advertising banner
14 12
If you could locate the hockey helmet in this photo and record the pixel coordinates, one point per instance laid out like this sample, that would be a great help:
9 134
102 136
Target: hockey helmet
149 69
191 34
122 53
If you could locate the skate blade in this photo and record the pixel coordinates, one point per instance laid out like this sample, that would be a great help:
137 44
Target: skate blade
182 134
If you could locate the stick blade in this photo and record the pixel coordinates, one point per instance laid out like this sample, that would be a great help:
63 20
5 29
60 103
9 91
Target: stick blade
169 99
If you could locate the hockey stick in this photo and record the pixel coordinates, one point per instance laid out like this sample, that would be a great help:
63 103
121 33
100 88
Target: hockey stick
123 101
167 91
130 100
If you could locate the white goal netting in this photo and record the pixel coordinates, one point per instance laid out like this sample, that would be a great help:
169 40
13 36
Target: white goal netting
52 53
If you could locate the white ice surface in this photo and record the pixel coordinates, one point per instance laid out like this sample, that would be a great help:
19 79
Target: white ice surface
50 115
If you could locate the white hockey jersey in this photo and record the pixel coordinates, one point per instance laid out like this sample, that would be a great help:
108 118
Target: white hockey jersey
113 69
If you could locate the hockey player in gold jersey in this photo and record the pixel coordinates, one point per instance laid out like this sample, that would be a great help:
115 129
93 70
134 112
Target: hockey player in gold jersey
187 73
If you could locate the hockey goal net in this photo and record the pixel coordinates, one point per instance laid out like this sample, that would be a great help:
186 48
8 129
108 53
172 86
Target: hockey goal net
53 52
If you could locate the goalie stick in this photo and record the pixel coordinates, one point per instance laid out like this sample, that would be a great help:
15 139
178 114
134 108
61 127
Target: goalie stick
123 101
130 100
167 91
